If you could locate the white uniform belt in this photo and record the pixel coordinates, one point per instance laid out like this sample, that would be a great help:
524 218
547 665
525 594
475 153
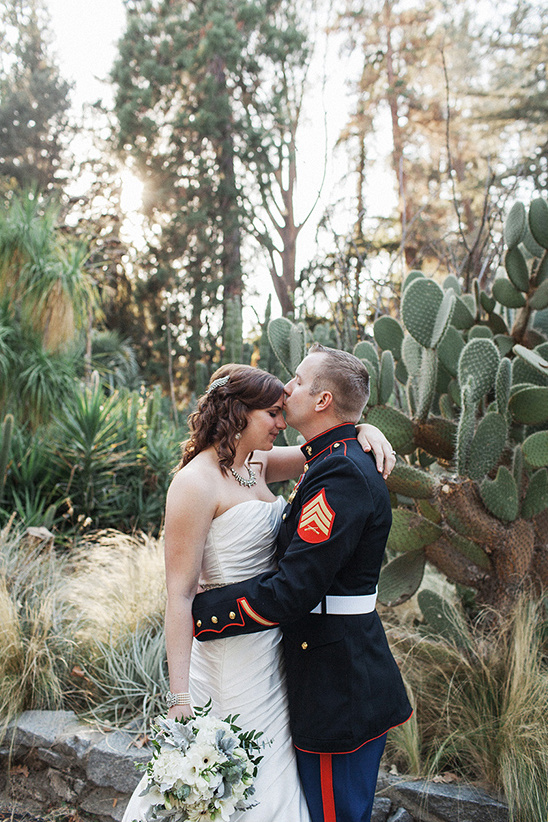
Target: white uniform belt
362 604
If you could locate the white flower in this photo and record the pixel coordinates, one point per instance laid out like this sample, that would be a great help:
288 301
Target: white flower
201 766
166 769
199 812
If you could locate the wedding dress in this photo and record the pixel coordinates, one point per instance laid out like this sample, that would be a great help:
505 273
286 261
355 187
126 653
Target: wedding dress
245 674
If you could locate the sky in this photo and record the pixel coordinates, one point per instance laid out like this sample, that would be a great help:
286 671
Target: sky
86 34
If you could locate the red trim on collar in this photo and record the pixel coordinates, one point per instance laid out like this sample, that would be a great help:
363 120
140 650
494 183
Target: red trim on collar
330 448
327 430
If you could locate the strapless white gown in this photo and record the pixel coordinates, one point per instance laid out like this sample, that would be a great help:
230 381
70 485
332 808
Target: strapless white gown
245 675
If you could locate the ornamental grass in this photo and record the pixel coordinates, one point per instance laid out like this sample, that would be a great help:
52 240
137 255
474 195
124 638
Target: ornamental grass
36 650
481 706
83 630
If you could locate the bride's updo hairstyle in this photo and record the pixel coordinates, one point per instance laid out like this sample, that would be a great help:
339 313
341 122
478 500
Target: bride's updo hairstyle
222 411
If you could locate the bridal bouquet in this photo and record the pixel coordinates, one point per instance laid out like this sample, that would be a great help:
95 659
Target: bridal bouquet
202 768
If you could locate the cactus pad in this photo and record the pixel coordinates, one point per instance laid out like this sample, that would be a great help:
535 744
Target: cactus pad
542 270
538 221
516 268
411 352
539 298
463 317
411 482
279 335
500 496
452 282
436 436
479 362
535 449
503 382
389 335
515 225
487 445
532 358
536 498
386 377
394 425
411 277
422 302
449 350
471 550
366 351
401 578
507 294
427 383
529 406
504 344
411 531
443 318
297 346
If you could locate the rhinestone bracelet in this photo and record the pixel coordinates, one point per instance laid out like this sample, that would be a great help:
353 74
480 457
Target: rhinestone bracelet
177 699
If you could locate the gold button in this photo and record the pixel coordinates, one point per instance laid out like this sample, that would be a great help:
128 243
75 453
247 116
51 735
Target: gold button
309 450
336 445
199 623
305 467
304 646
232 615
214 620
284 517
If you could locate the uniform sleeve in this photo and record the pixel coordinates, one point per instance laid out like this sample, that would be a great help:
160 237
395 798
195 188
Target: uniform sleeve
336 507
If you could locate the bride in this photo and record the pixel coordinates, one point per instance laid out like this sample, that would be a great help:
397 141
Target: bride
221 526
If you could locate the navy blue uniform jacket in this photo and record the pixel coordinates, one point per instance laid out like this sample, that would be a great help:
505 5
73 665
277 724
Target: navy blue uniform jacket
343 683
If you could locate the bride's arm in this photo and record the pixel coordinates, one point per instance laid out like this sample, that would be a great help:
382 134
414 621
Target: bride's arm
287 463
190 507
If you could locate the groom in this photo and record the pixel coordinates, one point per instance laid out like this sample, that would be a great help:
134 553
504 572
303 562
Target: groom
344 687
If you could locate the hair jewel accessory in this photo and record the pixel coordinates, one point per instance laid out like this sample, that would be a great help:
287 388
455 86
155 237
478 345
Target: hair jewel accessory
217 383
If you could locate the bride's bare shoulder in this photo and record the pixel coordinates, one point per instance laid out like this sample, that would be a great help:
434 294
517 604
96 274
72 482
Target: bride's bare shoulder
198 478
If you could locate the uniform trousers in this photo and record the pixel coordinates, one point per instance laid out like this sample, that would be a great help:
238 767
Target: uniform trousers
341 787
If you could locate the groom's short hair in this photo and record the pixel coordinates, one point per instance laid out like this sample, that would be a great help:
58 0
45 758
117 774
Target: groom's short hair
346 377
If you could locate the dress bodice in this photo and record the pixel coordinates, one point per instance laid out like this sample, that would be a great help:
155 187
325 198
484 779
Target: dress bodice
240 542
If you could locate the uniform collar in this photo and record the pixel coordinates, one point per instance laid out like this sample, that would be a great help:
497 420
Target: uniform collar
314 446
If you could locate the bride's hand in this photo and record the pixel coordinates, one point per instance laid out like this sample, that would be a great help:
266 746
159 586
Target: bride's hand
372 439
180 711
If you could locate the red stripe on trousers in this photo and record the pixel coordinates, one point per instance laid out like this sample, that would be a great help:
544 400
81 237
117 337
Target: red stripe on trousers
328 797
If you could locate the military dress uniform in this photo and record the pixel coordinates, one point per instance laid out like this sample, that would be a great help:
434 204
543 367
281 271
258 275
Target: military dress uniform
344 687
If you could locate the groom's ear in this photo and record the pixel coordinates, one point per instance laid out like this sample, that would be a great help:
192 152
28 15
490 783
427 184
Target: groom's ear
324 401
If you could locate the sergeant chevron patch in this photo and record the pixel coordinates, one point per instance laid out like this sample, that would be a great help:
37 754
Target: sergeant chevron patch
316 519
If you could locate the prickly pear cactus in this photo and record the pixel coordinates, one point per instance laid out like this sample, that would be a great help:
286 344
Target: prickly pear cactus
460 387
484 481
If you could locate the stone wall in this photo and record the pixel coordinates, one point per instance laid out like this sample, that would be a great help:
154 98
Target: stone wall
56 759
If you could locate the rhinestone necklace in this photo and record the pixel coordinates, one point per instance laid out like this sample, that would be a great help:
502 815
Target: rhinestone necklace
248 483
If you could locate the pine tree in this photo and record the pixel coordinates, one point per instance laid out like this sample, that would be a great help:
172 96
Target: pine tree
33 100
193 80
